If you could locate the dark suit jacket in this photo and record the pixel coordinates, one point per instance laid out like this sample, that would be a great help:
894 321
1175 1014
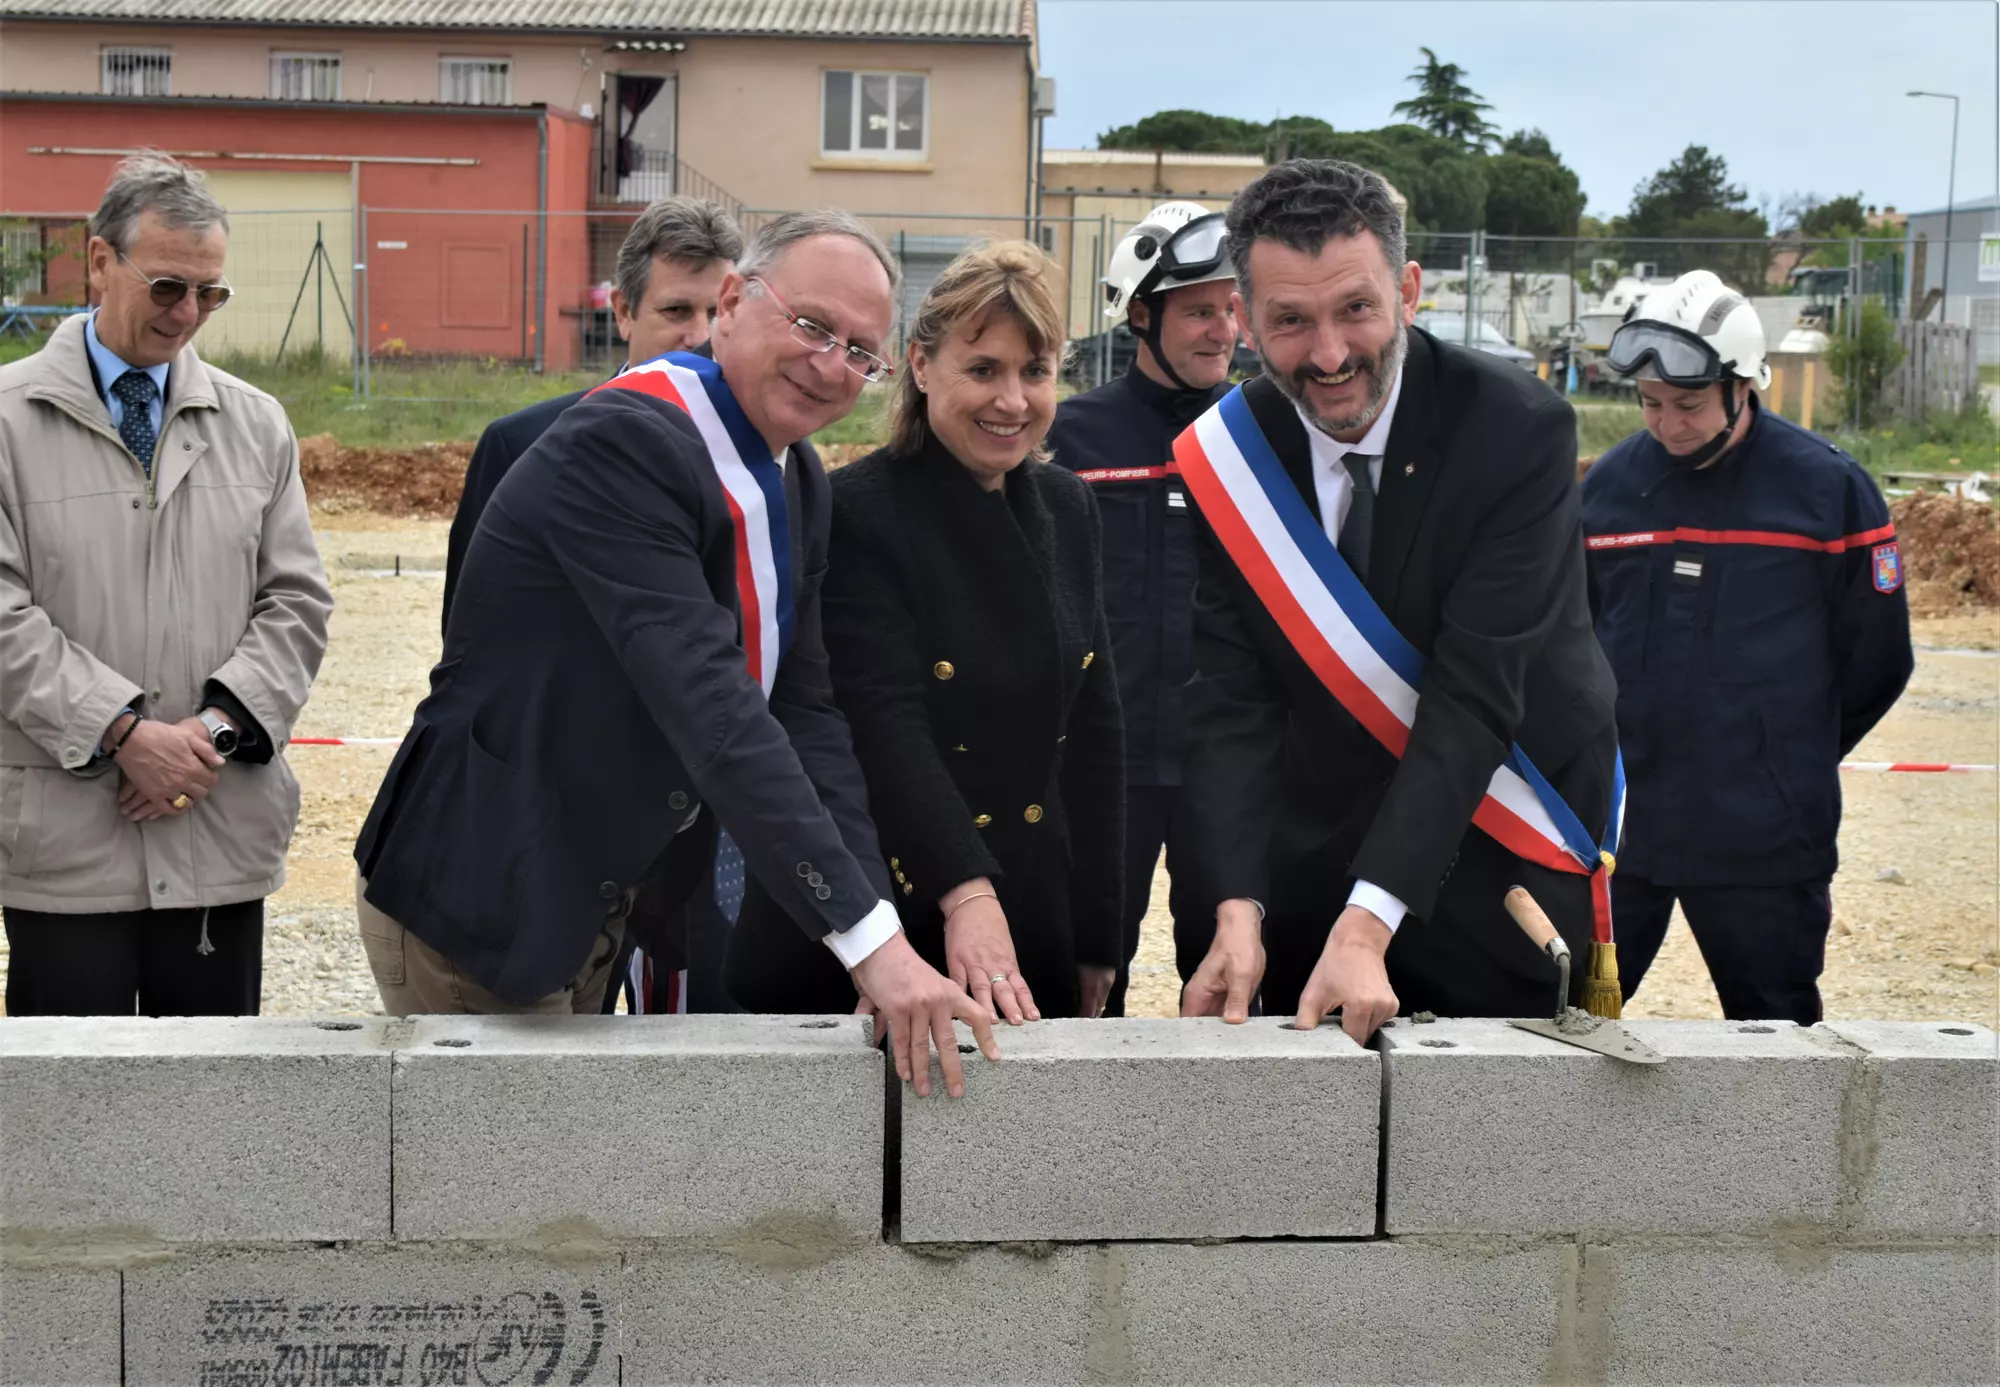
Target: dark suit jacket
500 447
971 656
1478 561
593 693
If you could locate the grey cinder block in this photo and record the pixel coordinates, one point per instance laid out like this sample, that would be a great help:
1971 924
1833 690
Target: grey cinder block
1923 1128
1355 1312
1148 1129
373 1313
1492 1129
647 1127
1798 1313
201 1129
58 1327
784 1311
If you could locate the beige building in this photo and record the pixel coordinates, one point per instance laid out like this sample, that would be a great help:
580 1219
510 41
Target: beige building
914 106
1092 197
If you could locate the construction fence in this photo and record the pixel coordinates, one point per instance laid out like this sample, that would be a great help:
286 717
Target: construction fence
381 288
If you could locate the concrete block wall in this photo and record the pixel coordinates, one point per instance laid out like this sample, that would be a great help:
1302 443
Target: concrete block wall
273 1203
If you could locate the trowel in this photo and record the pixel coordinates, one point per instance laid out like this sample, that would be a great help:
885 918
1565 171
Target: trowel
1572 1025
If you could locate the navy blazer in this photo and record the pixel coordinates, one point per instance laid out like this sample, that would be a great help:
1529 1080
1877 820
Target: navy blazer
500 446
1478 562
594 694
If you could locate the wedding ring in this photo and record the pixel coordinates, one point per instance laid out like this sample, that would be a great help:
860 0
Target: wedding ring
997 977
181 801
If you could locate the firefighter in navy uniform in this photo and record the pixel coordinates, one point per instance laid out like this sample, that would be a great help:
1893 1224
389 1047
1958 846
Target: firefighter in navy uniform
1748 592
1170 280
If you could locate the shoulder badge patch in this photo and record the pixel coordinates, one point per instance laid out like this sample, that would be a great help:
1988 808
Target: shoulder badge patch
1888 564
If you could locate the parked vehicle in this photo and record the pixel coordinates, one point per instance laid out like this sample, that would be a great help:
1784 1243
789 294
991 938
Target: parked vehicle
1450 327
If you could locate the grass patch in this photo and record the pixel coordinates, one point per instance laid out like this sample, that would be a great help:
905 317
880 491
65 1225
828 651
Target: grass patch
1598 426
410 402
1963 442
867 424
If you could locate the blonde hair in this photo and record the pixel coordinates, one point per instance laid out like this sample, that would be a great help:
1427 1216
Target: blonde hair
1011 277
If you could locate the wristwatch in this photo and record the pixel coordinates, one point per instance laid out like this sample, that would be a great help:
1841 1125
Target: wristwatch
221 735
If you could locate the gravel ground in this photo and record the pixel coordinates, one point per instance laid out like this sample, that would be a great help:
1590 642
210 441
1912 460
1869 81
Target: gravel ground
1916 927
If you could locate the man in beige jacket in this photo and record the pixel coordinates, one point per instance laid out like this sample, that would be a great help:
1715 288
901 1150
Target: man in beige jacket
162 615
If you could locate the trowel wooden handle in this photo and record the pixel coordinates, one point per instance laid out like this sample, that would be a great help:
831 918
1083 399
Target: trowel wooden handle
1534 922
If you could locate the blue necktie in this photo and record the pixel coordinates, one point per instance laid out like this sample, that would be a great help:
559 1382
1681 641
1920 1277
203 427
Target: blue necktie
728 877
136 392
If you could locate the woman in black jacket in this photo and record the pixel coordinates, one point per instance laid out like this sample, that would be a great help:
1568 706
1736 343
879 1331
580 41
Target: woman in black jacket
964 621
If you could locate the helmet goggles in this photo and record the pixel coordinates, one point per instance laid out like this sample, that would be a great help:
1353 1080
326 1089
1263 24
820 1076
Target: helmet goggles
1196 249
1677 356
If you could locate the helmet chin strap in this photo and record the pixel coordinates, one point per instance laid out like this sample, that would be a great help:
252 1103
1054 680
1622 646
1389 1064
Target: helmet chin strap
1150 335
1732 410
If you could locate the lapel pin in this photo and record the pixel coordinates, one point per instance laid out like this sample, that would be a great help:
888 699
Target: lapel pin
1409 469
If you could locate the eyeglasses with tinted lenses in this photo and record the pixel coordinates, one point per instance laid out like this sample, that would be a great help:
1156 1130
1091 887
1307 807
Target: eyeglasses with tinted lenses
820 338
168 292
1677 355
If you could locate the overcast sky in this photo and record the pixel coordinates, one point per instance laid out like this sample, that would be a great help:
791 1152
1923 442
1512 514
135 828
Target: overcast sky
1799 97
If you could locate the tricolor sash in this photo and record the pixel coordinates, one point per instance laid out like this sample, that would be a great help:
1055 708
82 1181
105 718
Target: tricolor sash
1341 632
754 485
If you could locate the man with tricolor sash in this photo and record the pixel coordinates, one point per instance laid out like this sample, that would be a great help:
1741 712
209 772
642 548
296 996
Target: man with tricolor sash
1399 710
634 658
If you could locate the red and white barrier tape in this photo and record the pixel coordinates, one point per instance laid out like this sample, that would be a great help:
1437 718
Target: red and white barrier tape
1924 767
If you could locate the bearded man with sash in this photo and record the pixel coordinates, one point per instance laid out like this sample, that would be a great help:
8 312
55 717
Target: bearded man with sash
634 657
1399 710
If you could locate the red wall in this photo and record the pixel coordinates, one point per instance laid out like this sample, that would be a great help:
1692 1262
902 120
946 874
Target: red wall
455 285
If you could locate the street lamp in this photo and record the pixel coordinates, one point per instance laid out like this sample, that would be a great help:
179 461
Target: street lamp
1950 193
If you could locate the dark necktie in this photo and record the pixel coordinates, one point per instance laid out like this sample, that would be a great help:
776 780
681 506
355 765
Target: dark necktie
729 877
135 391
1358 533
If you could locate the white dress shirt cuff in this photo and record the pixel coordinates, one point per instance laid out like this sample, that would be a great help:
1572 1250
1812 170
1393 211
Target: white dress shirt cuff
853 944
1387 908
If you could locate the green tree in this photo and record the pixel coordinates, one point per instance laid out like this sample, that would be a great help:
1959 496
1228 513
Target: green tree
1691 201
1835 220
1532 143
19 267
1695 183
1446 106
1190 132
1862 363
1531 196
1450 193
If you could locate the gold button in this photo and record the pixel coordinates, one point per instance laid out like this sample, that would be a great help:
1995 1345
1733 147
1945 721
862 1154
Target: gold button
900 877
982 820
1033 813
894 863
959 747
1088 656
908 888
943 670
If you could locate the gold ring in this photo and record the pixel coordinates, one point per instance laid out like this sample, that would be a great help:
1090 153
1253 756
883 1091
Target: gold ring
181 801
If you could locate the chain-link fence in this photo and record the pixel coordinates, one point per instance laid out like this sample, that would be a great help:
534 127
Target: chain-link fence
530 292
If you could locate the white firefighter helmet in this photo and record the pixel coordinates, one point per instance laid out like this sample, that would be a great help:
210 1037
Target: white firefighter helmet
1695 331
1175 244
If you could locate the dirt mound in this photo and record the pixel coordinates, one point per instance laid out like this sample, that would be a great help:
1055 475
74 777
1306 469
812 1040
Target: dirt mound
1951 552
422 482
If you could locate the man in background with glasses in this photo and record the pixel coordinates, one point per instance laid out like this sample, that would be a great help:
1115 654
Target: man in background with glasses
162 615
634 659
